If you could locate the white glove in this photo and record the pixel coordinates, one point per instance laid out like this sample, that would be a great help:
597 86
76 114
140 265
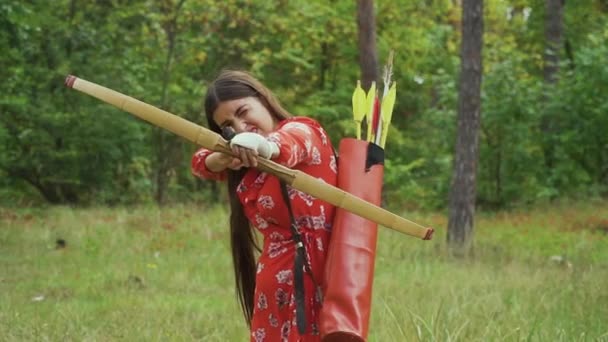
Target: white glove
266 149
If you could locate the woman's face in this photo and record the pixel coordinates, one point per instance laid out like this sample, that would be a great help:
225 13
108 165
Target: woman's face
246 114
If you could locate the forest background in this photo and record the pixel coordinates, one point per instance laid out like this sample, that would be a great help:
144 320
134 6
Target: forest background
106 235
60 147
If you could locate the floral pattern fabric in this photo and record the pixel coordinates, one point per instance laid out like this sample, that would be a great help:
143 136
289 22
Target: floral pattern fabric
304 146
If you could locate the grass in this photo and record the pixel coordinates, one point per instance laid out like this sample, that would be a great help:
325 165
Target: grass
144 274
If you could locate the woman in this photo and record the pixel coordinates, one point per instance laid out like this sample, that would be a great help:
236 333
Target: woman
268 290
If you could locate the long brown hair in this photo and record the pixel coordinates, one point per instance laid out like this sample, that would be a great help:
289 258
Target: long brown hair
232 85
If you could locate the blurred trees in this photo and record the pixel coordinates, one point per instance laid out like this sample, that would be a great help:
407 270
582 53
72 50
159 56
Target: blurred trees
61 147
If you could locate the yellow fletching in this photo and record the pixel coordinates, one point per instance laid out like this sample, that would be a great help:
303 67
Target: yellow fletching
388 103
359 107
359 100
371 95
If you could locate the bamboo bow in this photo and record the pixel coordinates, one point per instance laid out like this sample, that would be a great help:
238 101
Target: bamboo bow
213 141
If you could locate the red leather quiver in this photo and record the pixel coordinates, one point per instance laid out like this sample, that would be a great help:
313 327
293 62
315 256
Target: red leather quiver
349 270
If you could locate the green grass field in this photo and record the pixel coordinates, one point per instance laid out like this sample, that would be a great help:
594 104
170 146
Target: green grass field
144 274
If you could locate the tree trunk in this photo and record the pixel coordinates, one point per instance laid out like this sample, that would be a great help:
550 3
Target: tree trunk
553 39
167 145
553 43
368 57
463 188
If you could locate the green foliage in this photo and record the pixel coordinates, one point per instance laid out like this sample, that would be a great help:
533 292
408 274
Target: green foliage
580 114
61 147
511 162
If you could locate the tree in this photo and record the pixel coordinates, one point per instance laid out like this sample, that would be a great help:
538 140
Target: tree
463 188
553 39
368 56
553 44
167 146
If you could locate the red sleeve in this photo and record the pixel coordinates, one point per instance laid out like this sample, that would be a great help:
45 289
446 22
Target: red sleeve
300 140
199 169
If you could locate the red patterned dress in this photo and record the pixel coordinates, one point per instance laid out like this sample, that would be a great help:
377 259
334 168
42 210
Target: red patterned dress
304 146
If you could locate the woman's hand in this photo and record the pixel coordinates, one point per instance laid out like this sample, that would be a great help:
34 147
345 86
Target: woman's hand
218 162
246 147
249 145
247 156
